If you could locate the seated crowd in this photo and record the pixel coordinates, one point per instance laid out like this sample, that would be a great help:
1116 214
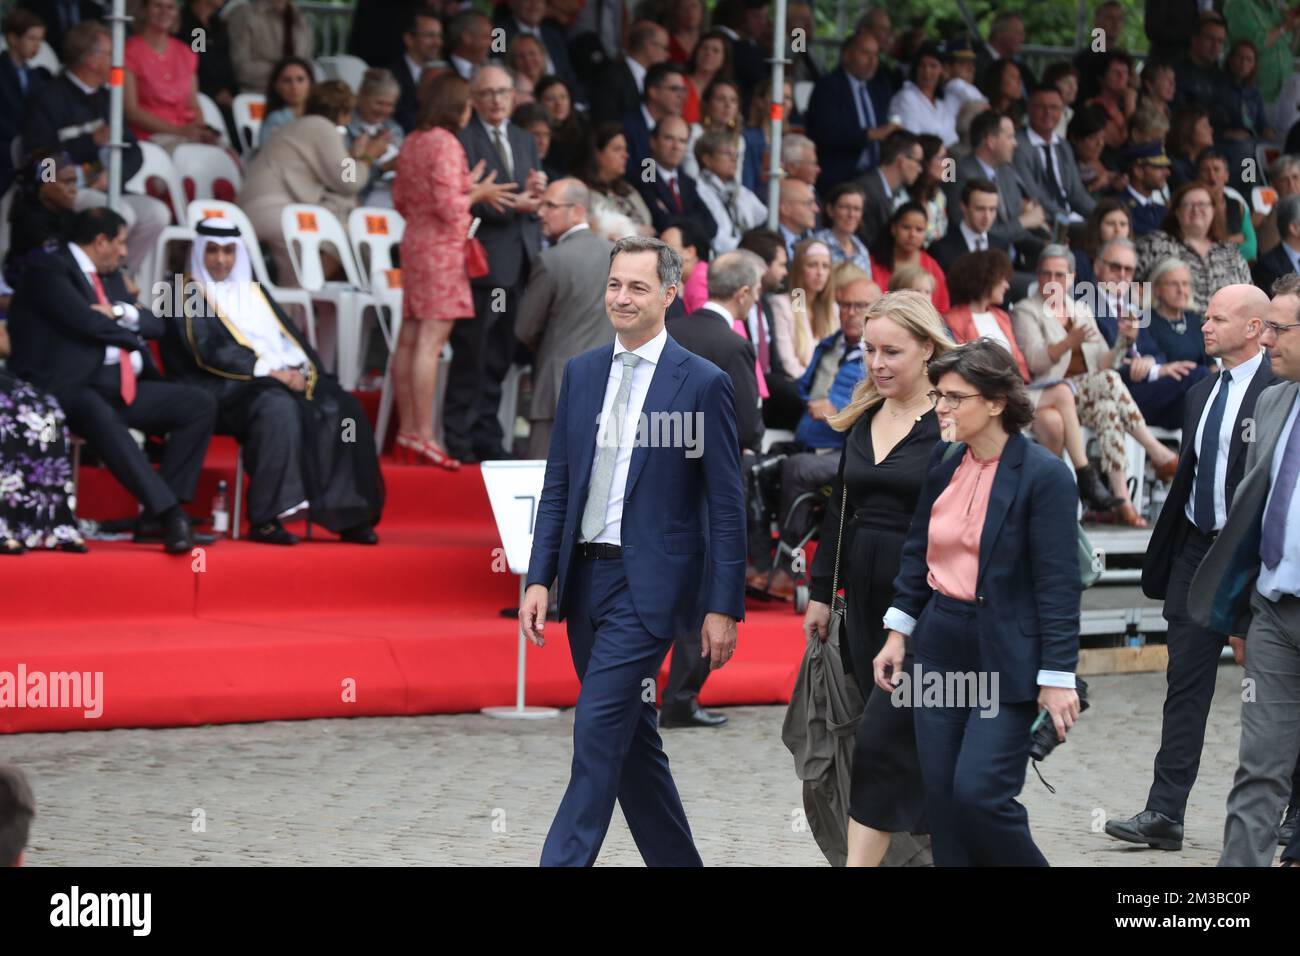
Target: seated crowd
1081 218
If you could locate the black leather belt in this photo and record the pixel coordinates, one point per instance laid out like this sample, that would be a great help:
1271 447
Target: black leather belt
600 552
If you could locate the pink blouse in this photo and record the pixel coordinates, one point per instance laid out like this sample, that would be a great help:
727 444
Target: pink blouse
695 290
164 84
956 524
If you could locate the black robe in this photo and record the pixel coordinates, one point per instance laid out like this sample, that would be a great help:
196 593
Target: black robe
316 445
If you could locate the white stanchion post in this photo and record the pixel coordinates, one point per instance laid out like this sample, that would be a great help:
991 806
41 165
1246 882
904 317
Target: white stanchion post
509 484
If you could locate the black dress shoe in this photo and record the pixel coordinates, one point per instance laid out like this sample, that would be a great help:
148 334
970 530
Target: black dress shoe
1092 490
12 546
74 547
1149 827
699 717
178 536
150 530
361 534
1287 831
271 532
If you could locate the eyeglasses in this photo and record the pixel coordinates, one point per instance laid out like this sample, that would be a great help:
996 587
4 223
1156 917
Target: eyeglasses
854 308
496 94
1279 329
952 399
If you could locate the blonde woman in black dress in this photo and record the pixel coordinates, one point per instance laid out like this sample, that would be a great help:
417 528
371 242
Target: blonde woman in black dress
892 430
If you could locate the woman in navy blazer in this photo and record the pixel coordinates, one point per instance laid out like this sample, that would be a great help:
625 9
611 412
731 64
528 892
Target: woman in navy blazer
1002 633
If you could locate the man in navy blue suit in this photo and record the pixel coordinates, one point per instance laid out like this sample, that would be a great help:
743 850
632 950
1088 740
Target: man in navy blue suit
641 527
664 96
848 114
19 81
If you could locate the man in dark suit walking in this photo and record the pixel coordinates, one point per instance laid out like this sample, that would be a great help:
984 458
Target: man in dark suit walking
77 334
1216 421
483 349
563 309
1284 258
848 114
20 80
644 544
716 331
1249 584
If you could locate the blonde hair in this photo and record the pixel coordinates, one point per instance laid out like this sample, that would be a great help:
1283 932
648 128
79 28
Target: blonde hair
914 312
818 319
911 277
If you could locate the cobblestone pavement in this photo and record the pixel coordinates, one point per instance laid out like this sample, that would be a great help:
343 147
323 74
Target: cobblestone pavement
472 790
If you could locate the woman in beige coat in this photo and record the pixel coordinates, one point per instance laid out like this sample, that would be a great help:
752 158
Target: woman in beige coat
308 161
1060 341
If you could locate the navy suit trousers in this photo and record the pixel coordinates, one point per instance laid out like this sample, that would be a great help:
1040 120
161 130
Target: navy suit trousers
973 766
617 753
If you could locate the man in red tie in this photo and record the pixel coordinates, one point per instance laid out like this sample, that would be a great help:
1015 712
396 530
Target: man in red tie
77 334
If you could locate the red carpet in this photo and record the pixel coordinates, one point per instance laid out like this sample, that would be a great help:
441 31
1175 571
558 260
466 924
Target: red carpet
250 632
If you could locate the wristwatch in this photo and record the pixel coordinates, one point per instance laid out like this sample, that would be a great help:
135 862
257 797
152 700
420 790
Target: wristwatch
118 310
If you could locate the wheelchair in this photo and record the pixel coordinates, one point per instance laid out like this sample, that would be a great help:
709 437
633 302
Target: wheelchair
763 499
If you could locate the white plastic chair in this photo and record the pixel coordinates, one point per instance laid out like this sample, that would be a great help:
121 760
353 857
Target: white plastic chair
157 164
306 230
249 110
212 117
350 69
374 232
201 209
206 166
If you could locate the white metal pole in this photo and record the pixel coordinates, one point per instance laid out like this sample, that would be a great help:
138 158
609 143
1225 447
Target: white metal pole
774 172
520 711
117 26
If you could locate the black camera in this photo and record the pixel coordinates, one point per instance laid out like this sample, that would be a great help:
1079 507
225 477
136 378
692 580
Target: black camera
1042 733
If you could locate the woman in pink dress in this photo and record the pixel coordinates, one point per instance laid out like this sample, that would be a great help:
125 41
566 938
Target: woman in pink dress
161 90
433 191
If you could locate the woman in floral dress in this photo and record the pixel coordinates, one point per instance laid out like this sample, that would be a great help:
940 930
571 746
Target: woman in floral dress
36 499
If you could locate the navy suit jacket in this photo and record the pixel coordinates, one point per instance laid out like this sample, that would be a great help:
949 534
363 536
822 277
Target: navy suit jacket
637 134
1029 597
832 123
1271 266
659 199
13 102
683 523
1171 527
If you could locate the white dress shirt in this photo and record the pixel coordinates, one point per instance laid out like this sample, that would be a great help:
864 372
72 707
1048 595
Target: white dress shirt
975 241
464 67
112 354
918 114
638 73
1240 382
1285 578
641 376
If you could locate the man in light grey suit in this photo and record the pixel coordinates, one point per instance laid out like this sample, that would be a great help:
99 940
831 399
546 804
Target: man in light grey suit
1020 221
1046 161
563 310
1249 583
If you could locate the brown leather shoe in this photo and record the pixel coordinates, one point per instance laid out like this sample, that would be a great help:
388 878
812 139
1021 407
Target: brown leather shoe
1127 514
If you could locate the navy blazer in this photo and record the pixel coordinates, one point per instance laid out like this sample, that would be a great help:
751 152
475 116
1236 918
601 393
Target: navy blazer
1271 266
683 527
13 103
637 134
832 123
659 200
58 339
1029 598
1171 527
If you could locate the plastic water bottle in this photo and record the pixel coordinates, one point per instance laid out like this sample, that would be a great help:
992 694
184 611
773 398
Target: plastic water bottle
220 509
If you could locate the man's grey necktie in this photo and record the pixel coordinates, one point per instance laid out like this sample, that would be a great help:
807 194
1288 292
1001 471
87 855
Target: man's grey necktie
602 476
503 153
